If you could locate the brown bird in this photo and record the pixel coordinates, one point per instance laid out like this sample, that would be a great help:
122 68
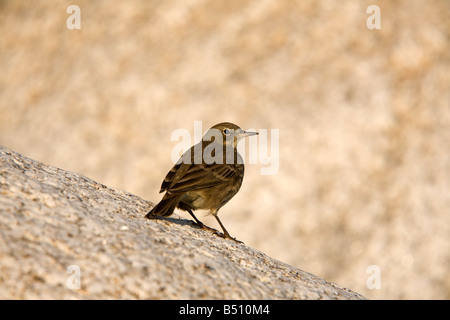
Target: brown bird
206 177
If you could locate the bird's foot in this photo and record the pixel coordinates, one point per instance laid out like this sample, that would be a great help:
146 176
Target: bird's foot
227 236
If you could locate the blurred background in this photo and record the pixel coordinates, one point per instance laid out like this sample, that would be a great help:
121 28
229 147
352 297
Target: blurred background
363 118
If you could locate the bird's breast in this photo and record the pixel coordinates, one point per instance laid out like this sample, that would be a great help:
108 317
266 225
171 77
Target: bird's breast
213 197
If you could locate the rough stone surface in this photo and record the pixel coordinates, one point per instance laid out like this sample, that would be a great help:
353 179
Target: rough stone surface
363 118
53 221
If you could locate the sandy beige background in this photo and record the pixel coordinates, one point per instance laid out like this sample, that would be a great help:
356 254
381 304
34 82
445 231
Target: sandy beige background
363 117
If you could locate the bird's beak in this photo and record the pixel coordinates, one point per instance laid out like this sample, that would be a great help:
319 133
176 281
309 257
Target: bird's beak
241 133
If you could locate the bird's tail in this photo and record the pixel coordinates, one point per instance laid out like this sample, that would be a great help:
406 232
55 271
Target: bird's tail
165 207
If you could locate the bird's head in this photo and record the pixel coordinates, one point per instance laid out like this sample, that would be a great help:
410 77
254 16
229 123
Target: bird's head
231 133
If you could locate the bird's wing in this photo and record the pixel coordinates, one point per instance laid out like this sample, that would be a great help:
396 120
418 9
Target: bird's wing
179 169
174 175
189 177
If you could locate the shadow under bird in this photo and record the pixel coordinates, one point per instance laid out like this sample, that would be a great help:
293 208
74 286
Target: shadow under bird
206 176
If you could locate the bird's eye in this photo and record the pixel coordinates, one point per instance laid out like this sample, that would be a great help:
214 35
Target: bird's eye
226 132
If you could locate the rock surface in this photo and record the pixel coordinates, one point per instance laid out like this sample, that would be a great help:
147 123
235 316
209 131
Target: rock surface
363 118
64 236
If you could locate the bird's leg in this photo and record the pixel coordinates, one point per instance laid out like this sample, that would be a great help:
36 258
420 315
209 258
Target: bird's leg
198 223
225 233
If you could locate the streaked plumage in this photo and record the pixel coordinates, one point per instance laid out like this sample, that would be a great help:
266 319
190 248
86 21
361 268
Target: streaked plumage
196 183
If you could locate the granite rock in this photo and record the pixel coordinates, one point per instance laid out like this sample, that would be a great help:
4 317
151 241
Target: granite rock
65 236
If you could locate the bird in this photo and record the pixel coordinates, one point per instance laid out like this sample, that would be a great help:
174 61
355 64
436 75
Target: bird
206 176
